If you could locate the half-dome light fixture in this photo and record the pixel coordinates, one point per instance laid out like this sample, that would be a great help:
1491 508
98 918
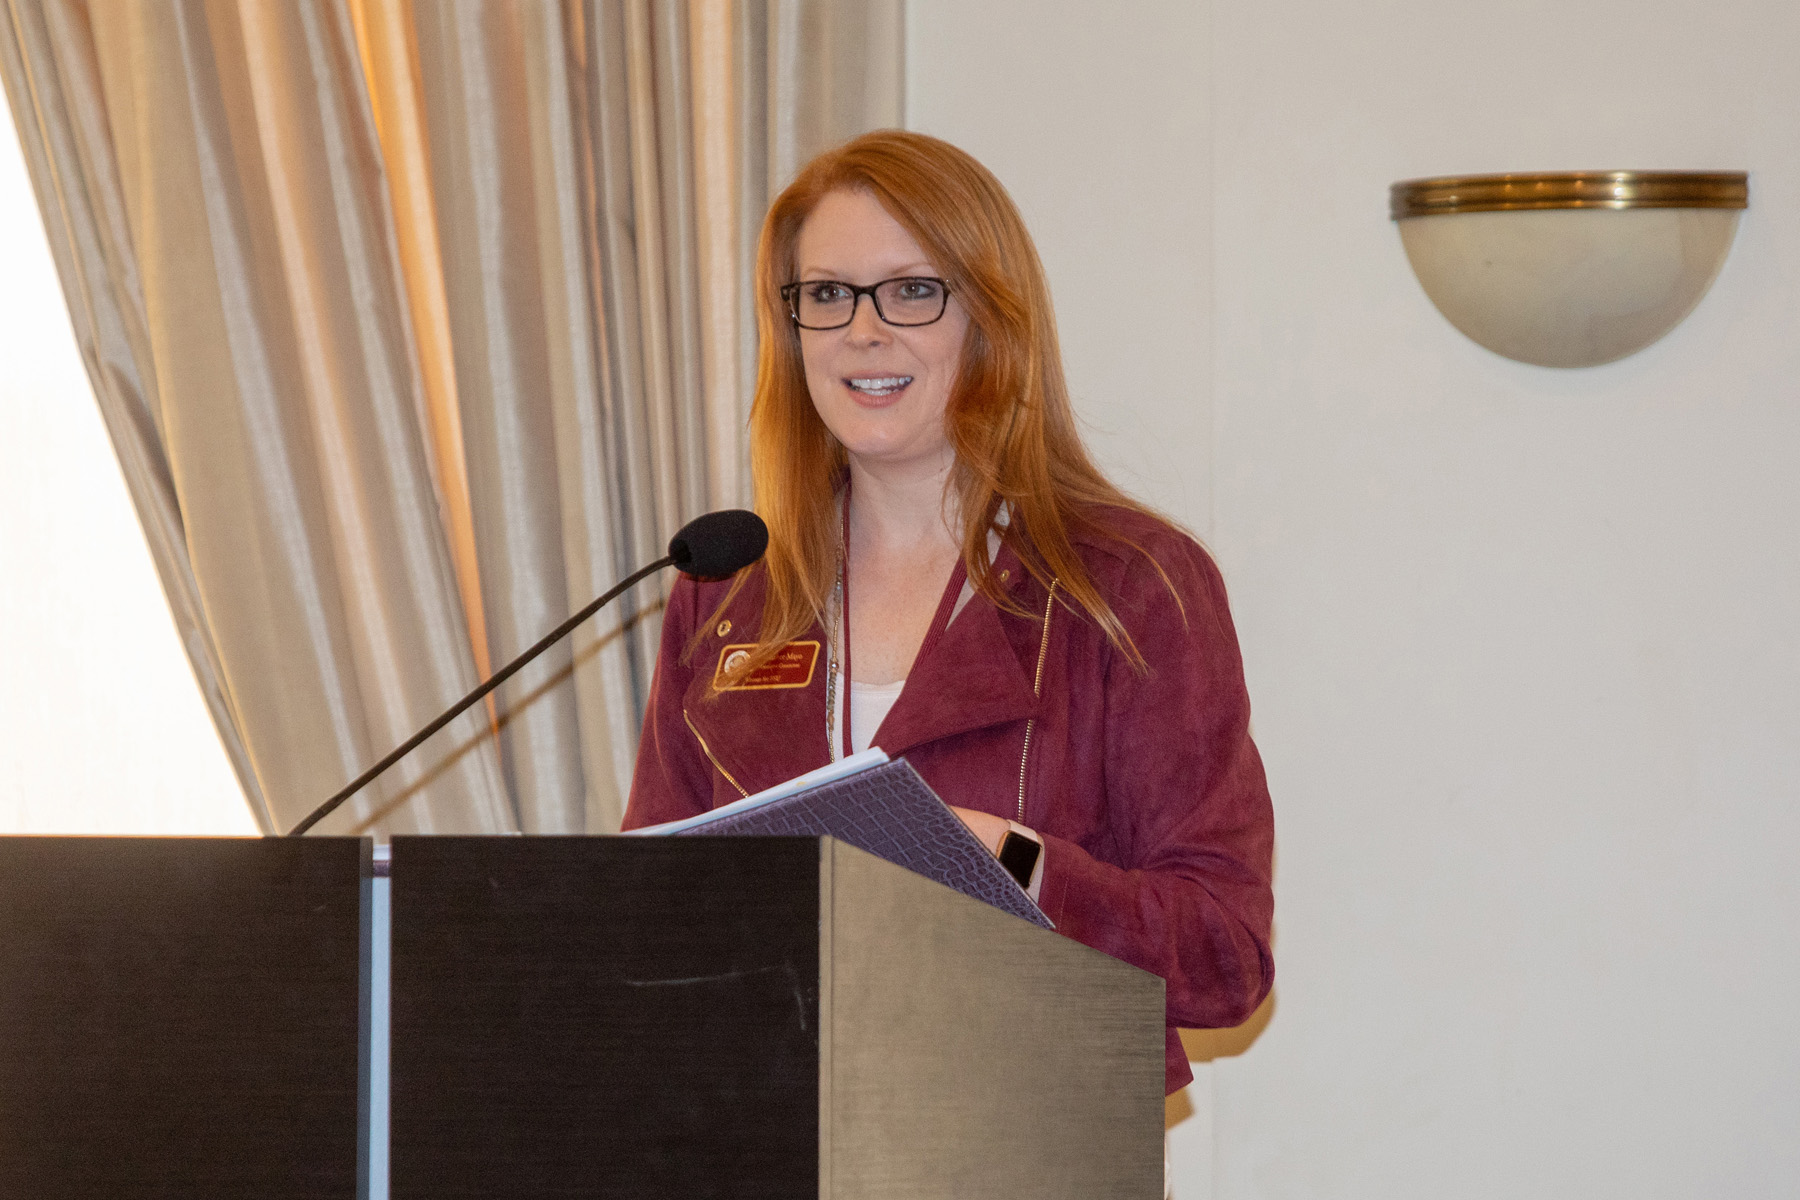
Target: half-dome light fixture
1573 268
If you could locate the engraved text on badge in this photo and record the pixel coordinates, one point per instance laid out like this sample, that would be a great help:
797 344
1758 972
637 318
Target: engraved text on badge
792 667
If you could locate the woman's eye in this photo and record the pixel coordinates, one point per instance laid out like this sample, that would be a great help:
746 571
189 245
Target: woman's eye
828 293
918 289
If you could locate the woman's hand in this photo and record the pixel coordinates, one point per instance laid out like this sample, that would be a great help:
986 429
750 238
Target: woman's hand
986 826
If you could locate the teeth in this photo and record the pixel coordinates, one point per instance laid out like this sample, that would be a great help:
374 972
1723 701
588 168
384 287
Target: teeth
887 385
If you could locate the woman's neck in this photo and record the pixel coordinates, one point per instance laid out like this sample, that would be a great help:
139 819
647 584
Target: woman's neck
905 511
904 542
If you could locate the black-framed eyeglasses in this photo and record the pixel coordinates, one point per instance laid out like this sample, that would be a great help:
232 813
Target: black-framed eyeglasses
831 303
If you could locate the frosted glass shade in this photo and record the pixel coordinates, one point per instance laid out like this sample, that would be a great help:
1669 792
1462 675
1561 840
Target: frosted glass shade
1571 287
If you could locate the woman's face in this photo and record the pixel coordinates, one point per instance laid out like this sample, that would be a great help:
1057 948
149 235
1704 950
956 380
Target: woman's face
881 389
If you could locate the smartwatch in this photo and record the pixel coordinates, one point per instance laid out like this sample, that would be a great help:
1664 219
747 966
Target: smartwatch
1019 852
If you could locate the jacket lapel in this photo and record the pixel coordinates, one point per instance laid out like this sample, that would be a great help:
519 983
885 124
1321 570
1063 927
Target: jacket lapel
967 675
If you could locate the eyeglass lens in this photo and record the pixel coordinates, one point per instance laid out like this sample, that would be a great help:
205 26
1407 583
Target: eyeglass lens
829 304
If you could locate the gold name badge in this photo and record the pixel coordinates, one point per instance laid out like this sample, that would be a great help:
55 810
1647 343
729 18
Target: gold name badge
792 667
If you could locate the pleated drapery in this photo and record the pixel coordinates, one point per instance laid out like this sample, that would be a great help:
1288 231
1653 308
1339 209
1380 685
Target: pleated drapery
415 326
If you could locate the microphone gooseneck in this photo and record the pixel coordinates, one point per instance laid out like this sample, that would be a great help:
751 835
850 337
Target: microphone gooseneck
712 546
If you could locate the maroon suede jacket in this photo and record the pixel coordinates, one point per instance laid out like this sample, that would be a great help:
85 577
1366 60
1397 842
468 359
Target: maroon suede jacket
1145 786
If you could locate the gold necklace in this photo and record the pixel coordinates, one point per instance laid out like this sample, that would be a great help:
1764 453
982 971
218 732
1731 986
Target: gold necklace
840 596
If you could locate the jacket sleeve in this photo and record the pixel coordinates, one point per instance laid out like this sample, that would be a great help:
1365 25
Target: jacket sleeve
670 780
1187 894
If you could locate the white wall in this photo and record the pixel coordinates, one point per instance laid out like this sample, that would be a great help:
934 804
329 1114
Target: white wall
1121 209
1524 644
102 729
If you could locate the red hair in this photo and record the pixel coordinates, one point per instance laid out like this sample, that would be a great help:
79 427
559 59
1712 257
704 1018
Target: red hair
1008 417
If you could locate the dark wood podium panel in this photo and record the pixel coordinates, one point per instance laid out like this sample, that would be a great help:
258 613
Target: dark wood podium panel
616 1017
181 1017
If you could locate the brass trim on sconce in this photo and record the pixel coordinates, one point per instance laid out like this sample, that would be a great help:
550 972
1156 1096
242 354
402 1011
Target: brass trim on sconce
1568 189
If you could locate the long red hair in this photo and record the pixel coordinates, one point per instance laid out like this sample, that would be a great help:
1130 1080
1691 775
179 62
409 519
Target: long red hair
1008 417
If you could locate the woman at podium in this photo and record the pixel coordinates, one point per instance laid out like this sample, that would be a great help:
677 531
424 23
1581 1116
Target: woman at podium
950 578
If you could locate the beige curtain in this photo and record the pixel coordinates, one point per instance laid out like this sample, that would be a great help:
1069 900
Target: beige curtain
415 327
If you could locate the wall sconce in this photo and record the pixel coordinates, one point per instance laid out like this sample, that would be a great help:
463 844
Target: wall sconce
1573 268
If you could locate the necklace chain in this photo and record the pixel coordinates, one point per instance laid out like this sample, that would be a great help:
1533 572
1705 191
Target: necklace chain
840 596
831 665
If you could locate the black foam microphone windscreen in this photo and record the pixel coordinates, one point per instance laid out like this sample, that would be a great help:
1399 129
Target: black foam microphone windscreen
720 543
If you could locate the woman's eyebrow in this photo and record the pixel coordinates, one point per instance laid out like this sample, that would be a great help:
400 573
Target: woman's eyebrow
909 271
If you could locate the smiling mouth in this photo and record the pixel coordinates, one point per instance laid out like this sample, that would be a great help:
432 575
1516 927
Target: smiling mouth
883 385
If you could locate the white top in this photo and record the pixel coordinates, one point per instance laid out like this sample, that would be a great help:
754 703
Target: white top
869 705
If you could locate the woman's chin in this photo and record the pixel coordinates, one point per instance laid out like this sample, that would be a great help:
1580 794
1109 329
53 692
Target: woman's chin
893 453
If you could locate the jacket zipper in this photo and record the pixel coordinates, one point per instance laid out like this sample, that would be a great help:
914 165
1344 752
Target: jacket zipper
713 759
1037 690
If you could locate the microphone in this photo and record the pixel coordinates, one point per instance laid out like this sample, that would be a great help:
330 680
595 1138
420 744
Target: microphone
720 544
714 546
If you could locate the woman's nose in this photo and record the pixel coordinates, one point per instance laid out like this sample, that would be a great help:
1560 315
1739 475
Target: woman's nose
866 325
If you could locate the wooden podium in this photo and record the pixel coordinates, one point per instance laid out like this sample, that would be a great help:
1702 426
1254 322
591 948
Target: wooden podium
582 1016
752 1017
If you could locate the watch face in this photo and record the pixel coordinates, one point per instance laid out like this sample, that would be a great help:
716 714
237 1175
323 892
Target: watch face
1019 856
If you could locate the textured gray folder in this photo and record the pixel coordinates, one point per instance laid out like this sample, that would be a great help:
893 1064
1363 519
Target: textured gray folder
893 814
